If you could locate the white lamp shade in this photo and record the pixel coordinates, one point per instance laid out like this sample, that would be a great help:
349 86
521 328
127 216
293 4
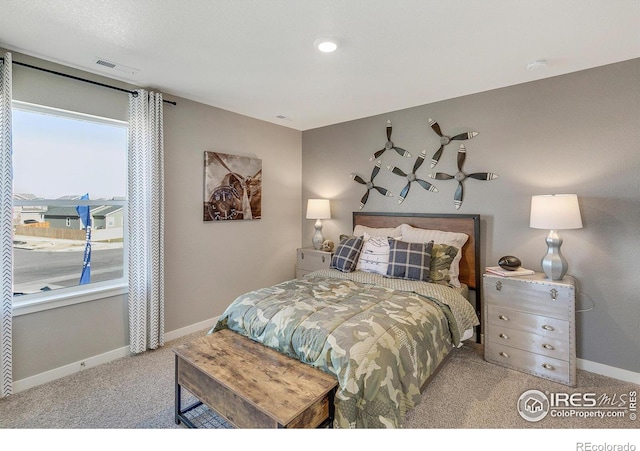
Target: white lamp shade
318 209
555 212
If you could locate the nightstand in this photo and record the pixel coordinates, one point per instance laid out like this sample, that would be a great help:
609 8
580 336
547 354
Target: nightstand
310 259
529 325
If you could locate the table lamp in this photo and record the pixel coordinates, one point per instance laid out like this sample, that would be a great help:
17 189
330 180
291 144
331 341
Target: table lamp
318 209
555 212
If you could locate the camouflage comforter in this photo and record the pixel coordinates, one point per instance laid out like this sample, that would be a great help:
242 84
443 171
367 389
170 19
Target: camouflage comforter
380 337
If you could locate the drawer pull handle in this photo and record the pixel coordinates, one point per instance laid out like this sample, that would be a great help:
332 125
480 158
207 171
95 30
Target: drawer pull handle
548 366
503 318
301 255
498 285
504 354
505 336
323 259
548 346
554 294
548 327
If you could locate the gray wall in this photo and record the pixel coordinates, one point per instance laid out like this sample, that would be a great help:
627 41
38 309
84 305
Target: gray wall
577 133
207 264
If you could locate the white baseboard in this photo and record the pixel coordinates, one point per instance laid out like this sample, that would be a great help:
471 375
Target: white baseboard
72 368
67 370
609 371
207 324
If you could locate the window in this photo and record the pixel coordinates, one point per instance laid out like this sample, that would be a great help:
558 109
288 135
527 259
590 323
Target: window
64 163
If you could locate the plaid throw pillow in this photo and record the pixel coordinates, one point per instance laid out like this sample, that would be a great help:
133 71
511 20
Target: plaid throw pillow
409 260
346 255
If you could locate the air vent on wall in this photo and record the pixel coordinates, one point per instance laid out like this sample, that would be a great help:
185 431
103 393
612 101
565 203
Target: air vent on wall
106 63
111 66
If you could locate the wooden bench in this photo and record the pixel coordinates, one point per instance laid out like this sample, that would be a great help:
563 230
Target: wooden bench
221 371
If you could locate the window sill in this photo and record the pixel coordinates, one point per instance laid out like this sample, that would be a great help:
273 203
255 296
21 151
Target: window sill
57 298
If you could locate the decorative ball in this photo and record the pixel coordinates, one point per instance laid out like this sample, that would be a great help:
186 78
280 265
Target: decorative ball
327 245
509 262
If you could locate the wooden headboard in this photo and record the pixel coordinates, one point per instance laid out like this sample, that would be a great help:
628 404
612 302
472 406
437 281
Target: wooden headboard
470 271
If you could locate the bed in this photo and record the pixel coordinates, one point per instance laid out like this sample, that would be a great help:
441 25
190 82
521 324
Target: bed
382 331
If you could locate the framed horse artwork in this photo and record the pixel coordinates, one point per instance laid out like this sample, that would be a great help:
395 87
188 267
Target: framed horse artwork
232 187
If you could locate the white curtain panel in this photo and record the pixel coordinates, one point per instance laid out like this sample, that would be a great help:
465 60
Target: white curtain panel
146 221
6 225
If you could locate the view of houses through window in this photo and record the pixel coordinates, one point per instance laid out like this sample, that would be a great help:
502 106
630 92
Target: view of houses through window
70 181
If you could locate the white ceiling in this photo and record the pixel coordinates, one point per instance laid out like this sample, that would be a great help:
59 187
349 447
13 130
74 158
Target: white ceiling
256 57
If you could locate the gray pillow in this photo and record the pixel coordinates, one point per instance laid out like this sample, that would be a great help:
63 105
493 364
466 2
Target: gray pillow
346 255
409 260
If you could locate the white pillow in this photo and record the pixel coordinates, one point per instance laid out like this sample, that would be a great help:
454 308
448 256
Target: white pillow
374 256
360 230
414 235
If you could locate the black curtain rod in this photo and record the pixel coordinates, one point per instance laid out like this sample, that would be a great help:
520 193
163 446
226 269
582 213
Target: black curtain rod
80 79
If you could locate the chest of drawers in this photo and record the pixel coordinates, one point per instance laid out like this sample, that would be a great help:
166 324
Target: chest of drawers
310 259
529 325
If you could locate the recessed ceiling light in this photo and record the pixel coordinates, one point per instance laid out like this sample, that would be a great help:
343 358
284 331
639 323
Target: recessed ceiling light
326 45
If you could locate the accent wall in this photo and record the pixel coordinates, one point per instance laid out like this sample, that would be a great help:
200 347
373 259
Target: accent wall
576 133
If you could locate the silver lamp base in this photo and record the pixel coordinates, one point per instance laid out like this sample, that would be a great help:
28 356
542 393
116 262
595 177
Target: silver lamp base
318 239
554 264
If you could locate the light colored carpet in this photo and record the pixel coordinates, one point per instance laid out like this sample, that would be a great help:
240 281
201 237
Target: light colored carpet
472 393
137 392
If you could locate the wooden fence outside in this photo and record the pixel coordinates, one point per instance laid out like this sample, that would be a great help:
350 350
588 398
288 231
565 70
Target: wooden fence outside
48 232
113 234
